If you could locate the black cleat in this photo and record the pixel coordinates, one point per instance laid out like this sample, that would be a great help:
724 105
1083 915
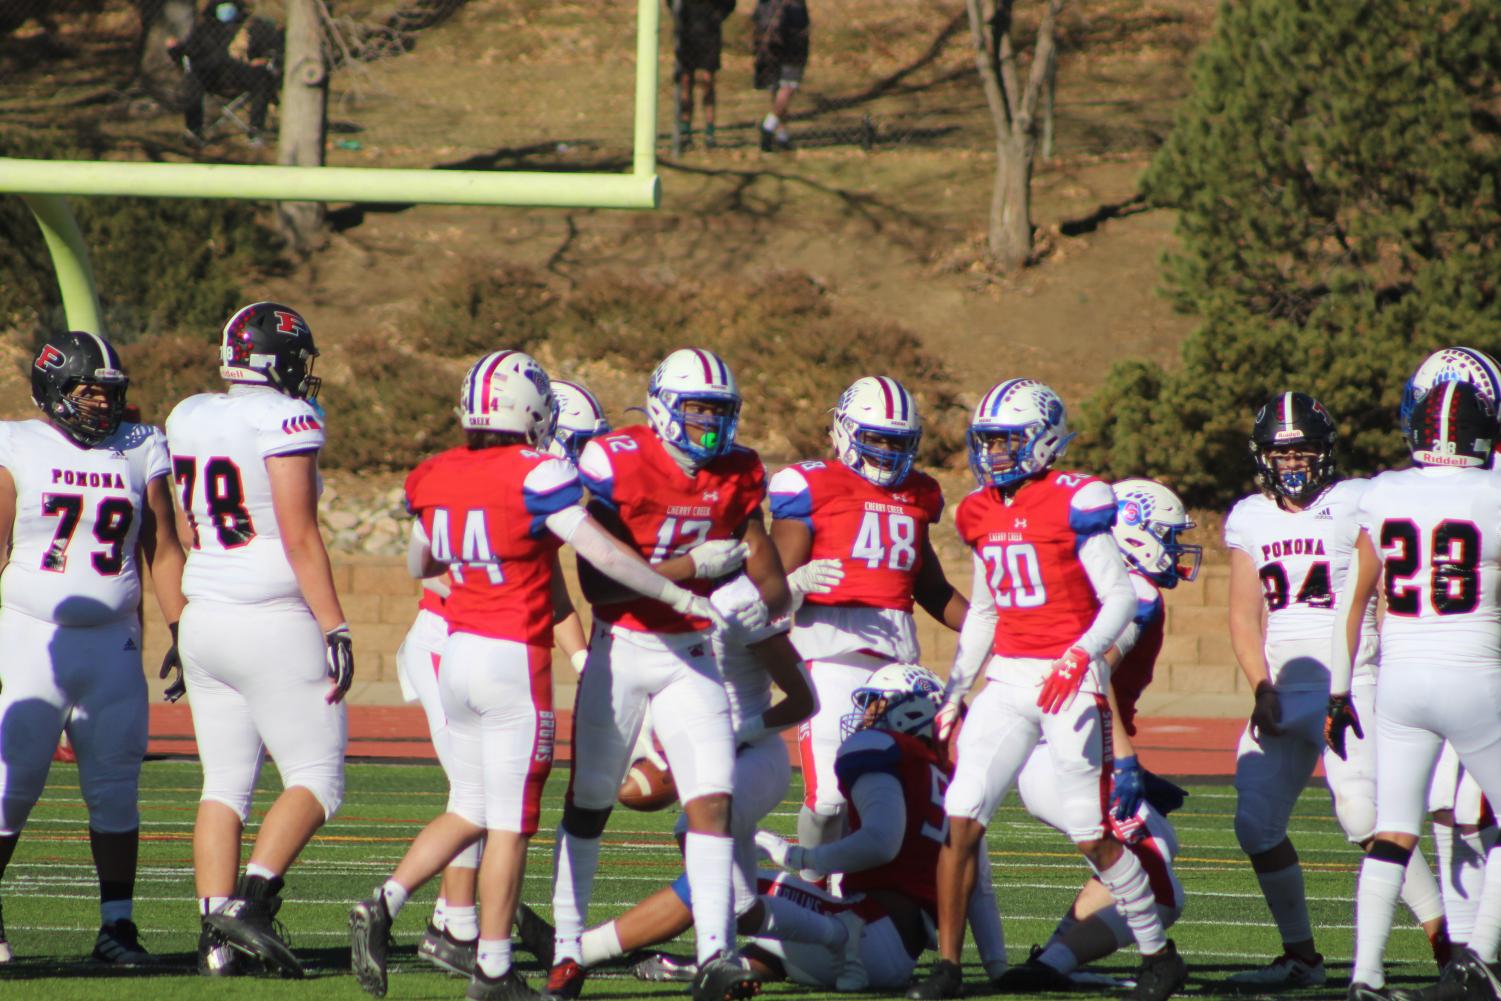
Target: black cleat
216 958
248 923
725 977
945 980
1162 975
1365 992
119 944
1466 978
509 986
369 939
1033 977
537 936
448 953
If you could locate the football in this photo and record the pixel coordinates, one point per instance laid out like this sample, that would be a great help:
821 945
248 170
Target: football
647 787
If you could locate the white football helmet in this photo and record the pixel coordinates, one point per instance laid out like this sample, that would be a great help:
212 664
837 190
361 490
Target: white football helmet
1451 365
580 417
693 374
1148 518
876 430
1029 419
913 695
508 391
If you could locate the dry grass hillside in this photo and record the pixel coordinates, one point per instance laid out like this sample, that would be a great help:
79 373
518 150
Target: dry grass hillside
848 259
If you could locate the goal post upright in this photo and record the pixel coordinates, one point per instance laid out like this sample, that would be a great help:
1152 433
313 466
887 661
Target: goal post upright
44 184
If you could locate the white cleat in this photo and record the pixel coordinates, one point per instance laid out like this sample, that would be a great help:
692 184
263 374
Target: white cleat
1284 973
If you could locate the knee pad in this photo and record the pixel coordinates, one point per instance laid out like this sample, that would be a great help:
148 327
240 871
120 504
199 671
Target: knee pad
591 790
1356 815
582 822
1253 828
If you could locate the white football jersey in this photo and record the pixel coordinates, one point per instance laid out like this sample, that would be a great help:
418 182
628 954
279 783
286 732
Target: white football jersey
220 443
1302 559
1439 534
78 519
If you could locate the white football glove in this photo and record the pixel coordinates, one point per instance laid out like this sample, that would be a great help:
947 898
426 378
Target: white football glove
680 599
943 723
714 559
740 606
816 577
783 855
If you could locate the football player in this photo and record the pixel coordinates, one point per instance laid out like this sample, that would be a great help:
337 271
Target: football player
497 510
1464 826
1430 536
1290 546
872 512
1050 597
82 492
891 772
1149 519
265 647
581 419
684 495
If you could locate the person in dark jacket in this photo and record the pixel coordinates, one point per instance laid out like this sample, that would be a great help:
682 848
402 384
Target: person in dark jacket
227 53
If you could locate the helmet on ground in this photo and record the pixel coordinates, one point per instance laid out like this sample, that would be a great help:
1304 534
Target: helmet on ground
75 360
1148 519
1028 419
580 418
508 391
1451 365
694 375
269 344
876 430
911 694
1289 419
1452 425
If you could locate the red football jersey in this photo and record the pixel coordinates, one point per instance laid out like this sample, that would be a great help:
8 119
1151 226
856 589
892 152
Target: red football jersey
1030 547
666 512
485 512
1134 672
924 778
877 533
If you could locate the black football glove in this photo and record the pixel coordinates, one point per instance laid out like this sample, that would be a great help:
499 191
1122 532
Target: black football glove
1266 717
1341 717
339 655
172 662
1165 796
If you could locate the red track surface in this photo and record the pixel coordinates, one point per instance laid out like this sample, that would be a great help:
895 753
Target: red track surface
1168 745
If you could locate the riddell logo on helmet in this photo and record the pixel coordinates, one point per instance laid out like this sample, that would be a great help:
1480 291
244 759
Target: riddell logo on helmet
1287 434
50 357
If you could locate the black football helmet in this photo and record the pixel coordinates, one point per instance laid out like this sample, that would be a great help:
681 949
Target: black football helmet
1293 419
72 359
270 344
1454 425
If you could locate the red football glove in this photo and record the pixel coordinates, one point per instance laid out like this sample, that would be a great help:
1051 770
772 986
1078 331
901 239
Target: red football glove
1060 687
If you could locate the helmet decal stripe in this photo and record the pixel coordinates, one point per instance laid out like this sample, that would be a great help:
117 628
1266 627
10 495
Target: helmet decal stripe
484 381
890 401
104 357
703 359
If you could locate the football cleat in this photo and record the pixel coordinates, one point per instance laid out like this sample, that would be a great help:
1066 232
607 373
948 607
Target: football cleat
1162 975
119 944
661 968
216 958
1285 973
369 940
1033 977
725 977
1469 977
537 936
565 981
248 924
448 953
945 980
1365 992
509 986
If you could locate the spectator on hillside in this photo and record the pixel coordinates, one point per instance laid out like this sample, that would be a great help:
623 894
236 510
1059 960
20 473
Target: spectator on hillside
228 53
781 53
697 31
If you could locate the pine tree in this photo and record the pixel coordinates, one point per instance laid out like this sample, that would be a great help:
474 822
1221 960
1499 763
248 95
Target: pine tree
1335 173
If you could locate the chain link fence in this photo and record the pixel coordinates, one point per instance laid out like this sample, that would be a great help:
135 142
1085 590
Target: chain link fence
548 84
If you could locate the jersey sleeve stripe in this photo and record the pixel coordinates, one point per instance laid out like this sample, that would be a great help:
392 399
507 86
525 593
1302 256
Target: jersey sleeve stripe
849 767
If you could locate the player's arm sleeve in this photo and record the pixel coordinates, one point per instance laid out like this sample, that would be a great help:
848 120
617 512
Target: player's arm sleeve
976 636
1102 562
791 498
867 767
158 459
610 557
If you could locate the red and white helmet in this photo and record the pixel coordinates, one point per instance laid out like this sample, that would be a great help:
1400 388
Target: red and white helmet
580 418
693 374
1148 518
508 391
874 414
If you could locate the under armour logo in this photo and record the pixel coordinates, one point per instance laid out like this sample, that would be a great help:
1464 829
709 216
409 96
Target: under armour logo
711 496
1019 523
902 498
